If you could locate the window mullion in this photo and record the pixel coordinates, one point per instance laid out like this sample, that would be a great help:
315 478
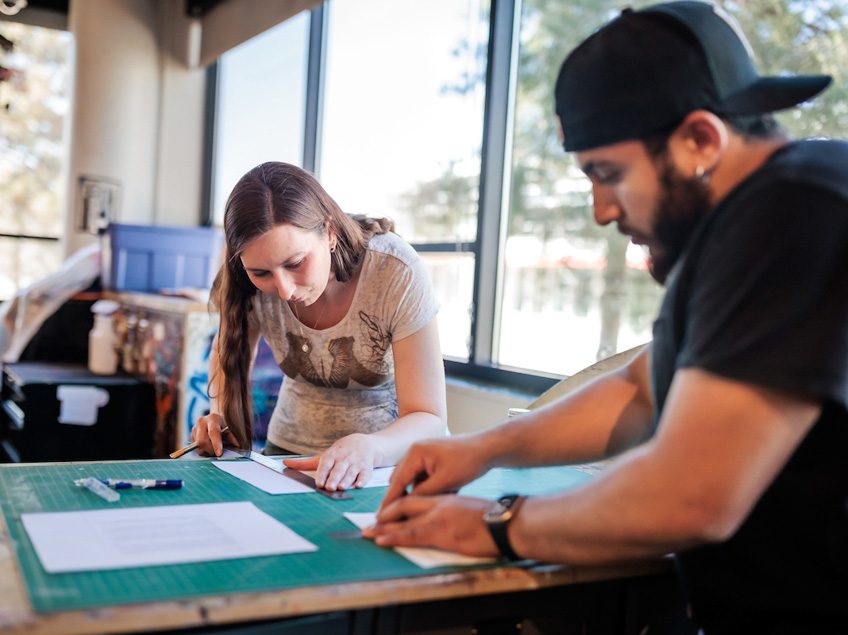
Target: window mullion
497 131
210 125
314 78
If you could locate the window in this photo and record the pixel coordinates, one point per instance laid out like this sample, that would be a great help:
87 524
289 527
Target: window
439 115
260 105
33 108
403 121
572 292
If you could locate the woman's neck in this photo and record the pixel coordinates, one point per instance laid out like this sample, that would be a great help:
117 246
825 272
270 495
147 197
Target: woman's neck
331 306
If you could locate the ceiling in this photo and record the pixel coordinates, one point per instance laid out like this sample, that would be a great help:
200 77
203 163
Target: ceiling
197 8
194 8
58 6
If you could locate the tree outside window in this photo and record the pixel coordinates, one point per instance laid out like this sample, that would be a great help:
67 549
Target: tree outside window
33 107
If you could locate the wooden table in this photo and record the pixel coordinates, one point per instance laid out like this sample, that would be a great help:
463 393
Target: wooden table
16 616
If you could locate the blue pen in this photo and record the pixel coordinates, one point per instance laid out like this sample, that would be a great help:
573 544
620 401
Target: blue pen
142 483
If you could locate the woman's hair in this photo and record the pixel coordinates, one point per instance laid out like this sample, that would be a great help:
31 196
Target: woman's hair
270 195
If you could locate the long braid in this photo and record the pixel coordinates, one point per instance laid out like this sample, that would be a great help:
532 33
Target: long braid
234 355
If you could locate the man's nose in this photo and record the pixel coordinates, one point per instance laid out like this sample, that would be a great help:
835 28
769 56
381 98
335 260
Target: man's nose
284 285
606 207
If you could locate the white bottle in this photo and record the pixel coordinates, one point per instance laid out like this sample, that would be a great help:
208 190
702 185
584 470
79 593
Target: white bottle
102 357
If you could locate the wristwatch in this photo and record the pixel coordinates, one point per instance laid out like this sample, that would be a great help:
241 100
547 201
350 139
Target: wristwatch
497 519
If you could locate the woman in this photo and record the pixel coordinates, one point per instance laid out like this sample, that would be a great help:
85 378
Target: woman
348 311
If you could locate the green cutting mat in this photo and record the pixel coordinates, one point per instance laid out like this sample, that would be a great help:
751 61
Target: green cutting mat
50 488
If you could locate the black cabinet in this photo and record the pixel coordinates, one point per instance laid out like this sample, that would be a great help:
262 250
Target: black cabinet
63 412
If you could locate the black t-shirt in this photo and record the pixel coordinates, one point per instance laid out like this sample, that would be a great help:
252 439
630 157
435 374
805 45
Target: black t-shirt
760 295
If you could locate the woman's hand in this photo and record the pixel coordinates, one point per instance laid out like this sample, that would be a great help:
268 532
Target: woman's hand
207 433
349 462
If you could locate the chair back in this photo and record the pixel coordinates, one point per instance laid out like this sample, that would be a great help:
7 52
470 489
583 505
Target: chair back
584 376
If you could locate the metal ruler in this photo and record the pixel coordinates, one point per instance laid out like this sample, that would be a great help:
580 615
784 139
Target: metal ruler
295 475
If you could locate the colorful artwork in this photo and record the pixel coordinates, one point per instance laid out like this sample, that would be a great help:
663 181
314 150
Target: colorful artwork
265 386
196 398
168 343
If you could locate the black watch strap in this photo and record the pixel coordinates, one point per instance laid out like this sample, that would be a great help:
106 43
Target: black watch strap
497 520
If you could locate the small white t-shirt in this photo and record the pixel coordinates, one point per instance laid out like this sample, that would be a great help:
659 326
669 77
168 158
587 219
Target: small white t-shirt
344 382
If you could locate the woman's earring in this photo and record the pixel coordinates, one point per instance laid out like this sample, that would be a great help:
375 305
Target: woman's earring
699 172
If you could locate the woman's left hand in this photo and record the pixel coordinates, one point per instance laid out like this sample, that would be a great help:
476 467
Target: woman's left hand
349 462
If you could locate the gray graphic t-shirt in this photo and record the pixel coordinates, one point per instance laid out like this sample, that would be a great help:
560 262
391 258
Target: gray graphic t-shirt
340 380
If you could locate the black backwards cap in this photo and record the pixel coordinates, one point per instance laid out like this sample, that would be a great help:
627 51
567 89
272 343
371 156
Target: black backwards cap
646 70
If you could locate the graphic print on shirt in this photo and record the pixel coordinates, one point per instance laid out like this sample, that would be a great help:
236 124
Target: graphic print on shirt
345 366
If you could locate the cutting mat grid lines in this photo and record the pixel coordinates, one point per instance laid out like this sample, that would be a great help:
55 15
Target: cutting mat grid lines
50 488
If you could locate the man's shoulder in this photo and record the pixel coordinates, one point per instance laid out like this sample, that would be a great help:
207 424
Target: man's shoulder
802 190
820 163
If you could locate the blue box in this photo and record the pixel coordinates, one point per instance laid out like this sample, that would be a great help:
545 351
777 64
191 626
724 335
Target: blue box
152 258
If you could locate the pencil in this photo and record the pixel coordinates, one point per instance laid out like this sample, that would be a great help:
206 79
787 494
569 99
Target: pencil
191 446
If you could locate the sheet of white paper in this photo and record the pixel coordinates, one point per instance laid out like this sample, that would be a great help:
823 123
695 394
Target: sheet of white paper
227 455
423 557
147 536
381 476
274 483
260 476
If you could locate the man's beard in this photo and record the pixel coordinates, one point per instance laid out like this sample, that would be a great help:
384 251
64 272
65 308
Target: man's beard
682 205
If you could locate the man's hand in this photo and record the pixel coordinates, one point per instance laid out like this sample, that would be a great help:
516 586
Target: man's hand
453 523
349 462
436 467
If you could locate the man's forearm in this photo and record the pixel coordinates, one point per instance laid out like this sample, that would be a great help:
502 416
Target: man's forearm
622 515
602 418
688 485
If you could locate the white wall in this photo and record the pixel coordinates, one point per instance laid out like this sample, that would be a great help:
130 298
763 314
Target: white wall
473 407
137 113
180 158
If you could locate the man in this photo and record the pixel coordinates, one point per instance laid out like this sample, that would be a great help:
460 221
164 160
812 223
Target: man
732 425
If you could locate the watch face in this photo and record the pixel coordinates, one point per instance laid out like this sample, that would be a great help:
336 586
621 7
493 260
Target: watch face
499 511
495 512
